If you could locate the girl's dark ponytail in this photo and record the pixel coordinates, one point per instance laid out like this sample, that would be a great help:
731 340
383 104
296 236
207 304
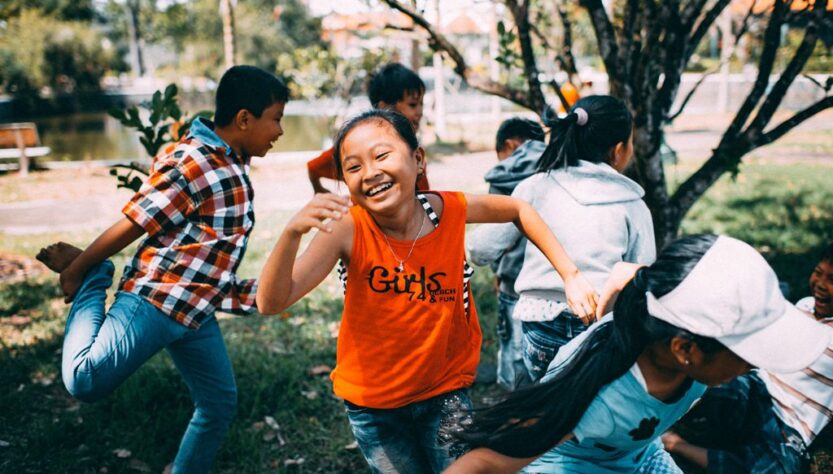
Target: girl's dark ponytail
594 125
531 421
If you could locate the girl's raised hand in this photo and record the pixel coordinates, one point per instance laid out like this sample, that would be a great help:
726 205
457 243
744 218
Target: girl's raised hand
317 212
620 275
581 297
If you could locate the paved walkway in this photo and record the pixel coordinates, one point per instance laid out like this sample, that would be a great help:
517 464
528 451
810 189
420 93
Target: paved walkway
280 183
86 198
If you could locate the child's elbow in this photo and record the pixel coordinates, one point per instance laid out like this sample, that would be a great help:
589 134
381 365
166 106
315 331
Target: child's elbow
266 306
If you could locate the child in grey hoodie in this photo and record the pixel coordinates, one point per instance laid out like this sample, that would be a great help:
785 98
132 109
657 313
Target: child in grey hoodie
519 143
596 212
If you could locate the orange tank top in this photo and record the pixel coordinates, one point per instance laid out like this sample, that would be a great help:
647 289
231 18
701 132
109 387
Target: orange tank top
411 335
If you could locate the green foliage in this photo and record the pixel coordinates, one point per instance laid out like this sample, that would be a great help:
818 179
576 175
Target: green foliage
39 51
165 123
83 10
25 295
316 71
509 55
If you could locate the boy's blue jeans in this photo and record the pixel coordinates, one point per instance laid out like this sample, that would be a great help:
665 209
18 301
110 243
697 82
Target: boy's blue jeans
543 339
511 371
102 349
410 439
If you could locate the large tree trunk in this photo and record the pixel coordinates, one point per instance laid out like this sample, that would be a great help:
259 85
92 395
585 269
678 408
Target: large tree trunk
644 56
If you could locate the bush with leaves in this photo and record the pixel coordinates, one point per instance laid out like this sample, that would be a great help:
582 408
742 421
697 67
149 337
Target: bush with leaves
165 124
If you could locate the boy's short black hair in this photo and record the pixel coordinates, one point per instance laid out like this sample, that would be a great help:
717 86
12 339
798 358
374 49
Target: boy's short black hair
827 254
390 84
517 127
249 88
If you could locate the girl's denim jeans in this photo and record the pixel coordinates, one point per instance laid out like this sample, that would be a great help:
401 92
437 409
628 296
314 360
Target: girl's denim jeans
543 339
411 439
101 349
511 370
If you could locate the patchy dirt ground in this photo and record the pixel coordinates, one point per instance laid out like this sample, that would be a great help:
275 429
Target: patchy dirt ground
19 267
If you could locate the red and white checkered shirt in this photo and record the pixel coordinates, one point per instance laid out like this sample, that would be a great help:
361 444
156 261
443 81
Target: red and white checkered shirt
196 208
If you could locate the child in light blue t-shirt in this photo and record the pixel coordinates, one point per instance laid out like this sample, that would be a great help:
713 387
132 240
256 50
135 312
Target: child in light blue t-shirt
613 434
708 310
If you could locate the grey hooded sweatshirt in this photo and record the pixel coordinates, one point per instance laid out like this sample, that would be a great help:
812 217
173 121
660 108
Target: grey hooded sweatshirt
503 179
595 212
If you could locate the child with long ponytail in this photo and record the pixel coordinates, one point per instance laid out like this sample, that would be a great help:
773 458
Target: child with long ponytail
595 211
708 310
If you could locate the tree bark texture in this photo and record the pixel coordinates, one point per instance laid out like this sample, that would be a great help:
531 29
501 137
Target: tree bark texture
645 55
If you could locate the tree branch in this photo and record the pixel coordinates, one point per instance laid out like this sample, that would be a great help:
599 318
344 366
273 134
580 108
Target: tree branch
568 60
438 42
781 129
772 39
691 12
704 26
793 69
520 13
626 56
828 84
606 38
690 94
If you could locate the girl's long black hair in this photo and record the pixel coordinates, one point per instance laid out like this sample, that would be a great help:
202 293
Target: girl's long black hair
608 123
531 421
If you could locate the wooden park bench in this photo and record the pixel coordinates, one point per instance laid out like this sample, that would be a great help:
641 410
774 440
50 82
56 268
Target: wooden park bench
20 142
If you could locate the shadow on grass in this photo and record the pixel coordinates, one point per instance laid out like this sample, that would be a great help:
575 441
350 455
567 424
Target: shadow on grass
48 431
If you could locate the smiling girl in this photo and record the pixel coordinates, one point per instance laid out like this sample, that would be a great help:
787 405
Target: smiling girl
409 341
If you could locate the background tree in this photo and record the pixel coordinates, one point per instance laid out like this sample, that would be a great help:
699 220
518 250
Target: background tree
645 47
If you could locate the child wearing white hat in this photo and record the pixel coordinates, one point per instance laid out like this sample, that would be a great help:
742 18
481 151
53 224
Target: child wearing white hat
765 421
708 310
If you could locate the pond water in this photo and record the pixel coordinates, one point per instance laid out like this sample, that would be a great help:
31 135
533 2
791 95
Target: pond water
97 136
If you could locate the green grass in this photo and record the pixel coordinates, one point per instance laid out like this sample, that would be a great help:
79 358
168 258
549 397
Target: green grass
785 211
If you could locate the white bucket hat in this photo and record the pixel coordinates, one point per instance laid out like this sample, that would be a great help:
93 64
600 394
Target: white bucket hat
732 295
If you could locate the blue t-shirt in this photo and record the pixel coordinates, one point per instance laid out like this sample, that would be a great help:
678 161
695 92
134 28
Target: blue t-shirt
620 428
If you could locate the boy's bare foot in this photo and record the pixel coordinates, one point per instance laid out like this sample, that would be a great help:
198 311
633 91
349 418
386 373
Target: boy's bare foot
58 256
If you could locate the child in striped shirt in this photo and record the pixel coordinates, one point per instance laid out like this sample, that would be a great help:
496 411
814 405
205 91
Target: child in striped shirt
765 422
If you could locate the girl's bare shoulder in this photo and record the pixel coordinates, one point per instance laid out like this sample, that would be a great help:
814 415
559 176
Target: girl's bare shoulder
436 203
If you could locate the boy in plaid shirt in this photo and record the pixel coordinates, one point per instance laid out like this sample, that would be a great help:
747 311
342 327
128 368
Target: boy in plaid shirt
196 209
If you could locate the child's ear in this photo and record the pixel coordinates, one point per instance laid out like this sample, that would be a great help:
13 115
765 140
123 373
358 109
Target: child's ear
683 350
241 119
618 155
419 154
384 105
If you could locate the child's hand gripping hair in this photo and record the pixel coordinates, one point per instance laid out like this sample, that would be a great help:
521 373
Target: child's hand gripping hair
620 275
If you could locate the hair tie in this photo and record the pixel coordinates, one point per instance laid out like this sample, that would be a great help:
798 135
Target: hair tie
581 116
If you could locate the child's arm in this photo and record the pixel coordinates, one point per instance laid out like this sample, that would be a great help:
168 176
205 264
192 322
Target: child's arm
285 279
315 181
486 461
489 242
581 297
110 242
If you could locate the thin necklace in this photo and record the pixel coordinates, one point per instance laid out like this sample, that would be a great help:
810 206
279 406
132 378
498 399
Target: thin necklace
401 261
